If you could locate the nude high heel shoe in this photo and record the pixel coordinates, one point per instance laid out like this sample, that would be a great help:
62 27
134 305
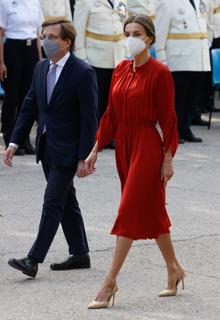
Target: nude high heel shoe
173 292
104 304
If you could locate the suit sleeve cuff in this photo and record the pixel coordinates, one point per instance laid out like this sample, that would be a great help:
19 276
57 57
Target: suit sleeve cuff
13 145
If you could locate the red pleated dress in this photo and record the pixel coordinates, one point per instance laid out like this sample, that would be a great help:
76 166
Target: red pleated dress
137 101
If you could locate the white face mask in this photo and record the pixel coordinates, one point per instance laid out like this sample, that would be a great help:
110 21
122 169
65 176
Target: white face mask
134 46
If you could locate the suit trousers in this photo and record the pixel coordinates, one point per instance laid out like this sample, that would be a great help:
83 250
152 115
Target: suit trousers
60 206
104 77
20 61
187 90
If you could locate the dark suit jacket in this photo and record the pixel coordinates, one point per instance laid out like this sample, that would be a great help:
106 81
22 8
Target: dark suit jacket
70 117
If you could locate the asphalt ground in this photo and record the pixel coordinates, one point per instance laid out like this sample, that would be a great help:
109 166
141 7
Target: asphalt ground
193 198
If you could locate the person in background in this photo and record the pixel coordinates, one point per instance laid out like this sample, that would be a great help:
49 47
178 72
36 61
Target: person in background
67 124
216 39
54 8
99 40
205 100
20 21
207 92
142 6
183 38
72 4
216 11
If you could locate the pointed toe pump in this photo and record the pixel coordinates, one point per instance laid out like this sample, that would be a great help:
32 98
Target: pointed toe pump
104 304
173 292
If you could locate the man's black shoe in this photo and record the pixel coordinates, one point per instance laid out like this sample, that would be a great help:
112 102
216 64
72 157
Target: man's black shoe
26 265
215 109
29 149
191 138
200 122
181 140
20 152
73 262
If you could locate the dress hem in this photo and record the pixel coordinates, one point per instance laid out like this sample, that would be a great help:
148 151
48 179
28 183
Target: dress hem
147 237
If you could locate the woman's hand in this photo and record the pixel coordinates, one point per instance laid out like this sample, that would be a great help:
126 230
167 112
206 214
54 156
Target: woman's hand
167 168
90 162
87 167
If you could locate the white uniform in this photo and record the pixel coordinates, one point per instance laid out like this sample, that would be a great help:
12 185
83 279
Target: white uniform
53 8
100 32
21 21
216 10
142 6
12 13
183 34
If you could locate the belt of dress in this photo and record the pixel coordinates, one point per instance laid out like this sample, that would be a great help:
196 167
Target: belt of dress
185 36
217 10
105 37
27 42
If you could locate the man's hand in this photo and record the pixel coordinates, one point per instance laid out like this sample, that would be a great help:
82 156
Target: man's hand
3 71
8 156
90 162
81 171
87 167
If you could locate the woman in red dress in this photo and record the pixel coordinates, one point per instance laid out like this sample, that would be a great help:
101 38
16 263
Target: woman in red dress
141 94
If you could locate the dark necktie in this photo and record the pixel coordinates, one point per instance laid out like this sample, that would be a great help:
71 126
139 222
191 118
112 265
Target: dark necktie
193 4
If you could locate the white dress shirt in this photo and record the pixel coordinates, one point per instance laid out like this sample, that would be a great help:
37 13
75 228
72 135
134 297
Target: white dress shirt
60 64
21 19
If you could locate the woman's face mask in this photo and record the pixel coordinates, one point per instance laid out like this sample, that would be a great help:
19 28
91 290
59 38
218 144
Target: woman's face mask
136 40
134 45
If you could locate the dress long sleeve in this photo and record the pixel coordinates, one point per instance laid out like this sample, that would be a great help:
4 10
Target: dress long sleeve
164 92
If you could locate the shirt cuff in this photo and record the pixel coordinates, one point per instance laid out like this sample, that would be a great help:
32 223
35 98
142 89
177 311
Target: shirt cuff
13 145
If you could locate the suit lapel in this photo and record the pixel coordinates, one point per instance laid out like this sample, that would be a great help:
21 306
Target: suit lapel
111 3
102 2
61 81
188 4
193 4
44 81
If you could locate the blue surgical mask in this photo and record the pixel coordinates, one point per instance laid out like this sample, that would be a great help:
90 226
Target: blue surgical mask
51 48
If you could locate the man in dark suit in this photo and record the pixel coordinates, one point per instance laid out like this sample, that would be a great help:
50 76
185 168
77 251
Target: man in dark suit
63 98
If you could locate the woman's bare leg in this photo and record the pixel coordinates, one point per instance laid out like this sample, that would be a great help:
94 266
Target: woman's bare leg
122 248
174 269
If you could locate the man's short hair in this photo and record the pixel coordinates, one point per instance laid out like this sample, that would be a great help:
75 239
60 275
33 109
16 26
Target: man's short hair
68 30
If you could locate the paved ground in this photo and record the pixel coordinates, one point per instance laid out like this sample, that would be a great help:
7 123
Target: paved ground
194 208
